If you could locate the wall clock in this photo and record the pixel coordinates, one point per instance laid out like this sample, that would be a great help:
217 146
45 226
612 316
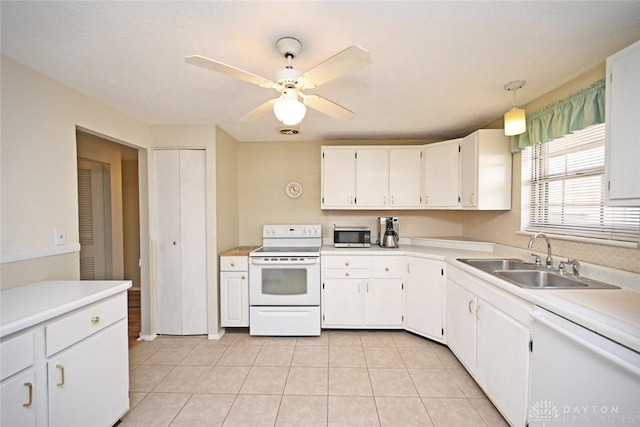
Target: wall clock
294 189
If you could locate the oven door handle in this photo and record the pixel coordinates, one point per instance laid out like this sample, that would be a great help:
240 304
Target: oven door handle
309 261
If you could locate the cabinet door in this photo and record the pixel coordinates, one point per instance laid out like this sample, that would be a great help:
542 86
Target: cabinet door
383 302
338 178
342 302
622 112
404 177
502 361
181 241
234 298
89 383
424 288
469 171
372 177
17 405
461 324
441 175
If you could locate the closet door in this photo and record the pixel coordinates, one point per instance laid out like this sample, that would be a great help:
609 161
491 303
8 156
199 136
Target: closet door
180 242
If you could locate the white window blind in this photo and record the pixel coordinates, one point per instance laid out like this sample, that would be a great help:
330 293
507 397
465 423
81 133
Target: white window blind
563 190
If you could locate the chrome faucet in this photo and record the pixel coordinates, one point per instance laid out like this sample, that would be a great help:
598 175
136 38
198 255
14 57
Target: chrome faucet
573 263
548 260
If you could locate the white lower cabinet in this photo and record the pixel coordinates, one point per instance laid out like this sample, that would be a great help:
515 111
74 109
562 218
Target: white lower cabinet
492 343
17 406
362 292
67 367
89 382
234 291
424 297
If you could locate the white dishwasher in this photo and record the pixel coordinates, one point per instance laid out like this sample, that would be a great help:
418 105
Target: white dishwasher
580 378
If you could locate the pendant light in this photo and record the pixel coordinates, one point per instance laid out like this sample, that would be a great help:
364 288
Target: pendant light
515 122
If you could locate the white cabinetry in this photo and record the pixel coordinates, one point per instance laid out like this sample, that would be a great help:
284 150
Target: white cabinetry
362 291
424 289
442 175
623 127
485 171
65 359
234 291
180 242
404 177
338 177
371 177
492 343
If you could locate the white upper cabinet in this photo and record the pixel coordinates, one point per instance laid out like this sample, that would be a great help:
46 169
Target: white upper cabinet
372 177
485 171
622 114
442 175
404 177
338 178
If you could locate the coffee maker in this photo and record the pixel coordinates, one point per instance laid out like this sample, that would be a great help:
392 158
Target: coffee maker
388 230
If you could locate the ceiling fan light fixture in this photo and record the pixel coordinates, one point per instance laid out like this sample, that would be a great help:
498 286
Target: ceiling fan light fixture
515 122
288 109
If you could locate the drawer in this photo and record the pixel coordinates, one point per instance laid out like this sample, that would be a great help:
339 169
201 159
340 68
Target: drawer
387 267
234 263
346 262
16 354
85 322
346 273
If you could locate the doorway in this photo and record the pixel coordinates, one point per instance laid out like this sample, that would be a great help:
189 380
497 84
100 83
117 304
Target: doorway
109 216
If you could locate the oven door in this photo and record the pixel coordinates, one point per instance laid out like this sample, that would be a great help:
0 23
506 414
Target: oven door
284 280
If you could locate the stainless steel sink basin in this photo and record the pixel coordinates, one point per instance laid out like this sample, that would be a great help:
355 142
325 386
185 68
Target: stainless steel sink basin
532 276
490 264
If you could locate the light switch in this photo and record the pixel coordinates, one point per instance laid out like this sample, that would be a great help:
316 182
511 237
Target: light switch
60 237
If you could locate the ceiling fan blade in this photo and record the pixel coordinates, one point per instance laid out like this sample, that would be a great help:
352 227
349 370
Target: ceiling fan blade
348 60
257 112
327 107
210 64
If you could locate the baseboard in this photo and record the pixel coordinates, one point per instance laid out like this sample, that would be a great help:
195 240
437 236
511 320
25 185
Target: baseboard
147 337
216 336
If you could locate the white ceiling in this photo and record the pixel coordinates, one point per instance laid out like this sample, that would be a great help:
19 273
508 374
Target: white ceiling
438 69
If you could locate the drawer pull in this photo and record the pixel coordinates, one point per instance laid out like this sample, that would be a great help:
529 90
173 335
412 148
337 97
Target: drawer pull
95 319
242 277
61 383
346 264
470 309
386 269
233 264
346 274
29 386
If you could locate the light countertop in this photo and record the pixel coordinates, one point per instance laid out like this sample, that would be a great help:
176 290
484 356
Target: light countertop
613 313
25 306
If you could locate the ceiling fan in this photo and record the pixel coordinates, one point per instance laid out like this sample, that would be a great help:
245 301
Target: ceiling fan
291 83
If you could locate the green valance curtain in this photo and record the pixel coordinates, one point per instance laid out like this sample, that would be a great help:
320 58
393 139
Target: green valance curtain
575 112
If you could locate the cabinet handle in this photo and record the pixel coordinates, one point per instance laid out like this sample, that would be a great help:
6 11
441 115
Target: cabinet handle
391 200
367 287
346 264
95 319
386 269
471 198
346 274
175 243
408 267
470 309
478 312
61 383
242 277
426 199
233 264
29 386
384 200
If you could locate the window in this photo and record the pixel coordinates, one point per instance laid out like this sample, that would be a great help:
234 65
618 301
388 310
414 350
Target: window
563 190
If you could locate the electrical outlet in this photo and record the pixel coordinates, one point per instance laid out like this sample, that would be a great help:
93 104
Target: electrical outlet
60 236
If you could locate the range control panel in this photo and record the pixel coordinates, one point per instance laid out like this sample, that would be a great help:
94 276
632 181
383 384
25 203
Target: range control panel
291 231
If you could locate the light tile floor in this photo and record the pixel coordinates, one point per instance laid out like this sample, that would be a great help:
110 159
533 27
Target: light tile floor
342 378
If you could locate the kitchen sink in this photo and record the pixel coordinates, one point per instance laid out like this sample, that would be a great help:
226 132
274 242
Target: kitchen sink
531 276
490 265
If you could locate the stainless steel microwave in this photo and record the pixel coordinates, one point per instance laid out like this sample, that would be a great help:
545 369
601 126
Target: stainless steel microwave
351 237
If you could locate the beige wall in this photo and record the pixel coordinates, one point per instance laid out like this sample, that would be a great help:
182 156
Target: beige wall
227 219
502 227
131 221
38 169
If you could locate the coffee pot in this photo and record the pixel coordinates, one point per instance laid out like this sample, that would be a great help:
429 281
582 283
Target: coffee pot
388 232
